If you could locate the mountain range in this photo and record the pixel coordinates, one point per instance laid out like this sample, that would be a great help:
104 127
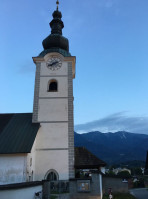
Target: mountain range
114 148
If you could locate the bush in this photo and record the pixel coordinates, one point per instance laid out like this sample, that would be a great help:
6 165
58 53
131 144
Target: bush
53 197
124 174
139 184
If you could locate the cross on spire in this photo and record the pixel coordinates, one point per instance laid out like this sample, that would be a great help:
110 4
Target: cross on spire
57 4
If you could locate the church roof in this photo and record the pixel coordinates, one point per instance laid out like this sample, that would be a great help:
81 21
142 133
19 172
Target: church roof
84 159
17 133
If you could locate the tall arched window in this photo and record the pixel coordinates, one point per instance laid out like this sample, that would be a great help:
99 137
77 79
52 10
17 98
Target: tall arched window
52 175
53 86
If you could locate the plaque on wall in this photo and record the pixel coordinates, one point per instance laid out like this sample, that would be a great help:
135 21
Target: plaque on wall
83 186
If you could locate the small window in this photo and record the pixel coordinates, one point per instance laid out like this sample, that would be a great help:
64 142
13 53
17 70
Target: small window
53 86
30 162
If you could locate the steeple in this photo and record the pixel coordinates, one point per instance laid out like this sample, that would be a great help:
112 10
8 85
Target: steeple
57 4
53 106
56 24
55 42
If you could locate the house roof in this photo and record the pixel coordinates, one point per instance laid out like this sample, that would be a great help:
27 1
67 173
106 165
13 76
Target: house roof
17 133
84 159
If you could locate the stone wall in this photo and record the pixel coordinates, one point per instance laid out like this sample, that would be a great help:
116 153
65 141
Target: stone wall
93 193
115 184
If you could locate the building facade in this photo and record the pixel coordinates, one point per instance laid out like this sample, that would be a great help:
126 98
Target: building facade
38 147
43 147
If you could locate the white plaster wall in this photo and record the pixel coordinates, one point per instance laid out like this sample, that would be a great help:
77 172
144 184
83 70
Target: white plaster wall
51 147
53 110
13 168
24 193
47 72
30 165
33 153
52 135
52 159
62 87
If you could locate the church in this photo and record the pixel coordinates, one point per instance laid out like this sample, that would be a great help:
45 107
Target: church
40 145
43 142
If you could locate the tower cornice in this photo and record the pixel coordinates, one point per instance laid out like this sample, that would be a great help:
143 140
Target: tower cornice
66 59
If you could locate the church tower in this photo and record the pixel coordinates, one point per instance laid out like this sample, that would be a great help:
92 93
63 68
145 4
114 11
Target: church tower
53 106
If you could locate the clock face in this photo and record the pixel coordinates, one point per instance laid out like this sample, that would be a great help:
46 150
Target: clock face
54 63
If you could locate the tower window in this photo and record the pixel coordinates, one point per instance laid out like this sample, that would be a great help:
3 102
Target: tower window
53 86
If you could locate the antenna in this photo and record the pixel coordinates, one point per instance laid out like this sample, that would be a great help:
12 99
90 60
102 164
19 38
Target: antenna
57 4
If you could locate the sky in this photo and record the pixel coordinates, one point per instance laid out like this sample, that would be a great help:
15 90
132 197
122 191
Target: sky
110 41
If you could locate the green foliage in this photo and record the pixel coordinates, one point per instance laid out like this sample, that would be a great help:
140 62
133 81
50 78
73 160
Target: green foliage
53 197
120 196
136 171
111 173
55 192
124 174
139 184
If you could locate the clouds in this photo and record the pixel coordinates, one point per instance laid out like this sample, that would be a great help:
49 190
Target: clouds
116 122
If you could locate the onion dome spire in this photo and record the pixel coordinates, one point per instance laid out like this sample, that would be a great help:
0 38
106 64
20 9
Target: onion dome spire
55 42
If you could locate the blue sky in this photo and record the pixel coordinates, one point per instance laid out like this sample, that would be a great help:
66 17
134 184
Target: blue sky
110 41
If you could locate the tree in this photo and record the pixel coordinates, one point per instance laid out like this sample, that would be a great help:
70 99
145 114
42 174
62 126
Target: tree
124 174
136 171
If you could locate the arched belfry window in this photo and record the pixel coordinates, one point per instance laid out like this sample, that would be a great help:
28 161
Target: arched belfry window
52 175
53 86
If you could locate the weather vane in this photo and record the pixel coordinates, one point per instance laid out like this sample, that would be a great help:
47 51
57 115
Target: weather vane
57 4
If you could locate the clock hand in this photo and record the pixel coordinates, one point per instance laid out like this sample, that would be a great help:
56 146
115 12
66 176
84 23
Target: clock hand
53 63
56 62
